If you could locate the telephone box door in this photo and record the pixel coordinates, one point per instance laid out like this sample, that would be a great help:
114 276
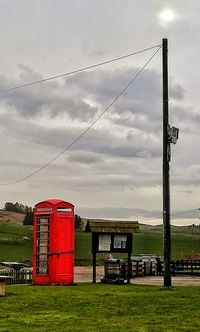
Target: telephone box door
41 248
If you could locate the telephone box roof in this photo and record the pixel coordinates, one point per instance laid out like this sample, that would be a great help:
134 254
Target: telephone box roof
54 201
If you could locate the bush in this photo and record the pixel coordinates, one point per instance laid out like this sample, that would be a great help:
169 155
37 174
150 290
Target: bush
28 219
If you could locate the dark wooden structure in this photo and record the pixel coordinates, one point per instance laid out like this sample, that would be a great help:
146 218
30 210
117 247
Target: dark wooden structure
3 284
14 265
111 237
185 267
16 273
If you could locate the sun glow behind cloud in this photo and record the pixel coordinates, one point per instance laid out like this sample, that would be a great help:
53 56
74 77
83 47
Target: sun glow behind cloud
166 16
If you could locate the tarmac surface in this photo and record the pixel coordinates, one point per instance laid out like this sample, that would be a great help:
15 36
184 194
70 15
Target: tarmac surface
85 273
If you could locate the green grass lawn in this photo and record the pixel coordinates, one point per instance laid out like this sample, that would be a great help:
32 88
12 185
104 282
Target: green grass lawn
100 307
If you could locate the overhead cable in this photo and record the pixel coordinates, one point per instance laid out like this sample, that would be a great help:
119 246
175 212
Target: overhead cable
88 128
76 71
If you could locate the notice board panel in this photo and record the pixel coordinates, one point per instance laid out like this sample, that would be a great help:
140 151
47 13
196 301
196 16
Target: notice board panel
108 242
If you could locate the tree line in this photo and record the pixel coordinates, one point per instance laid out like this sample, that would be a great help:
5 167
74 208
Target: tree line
17 207
29 213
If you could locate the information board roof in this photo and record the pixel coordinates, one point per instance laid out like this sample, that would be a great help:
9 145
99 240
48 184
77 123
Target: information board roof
111 226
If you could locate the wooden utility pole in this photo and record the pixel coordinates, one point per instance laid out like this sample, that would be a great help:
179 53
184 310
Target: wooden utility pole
166 175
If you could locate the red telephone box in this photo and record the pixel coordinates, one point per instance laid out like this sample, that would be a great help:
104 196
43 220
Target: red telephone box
53 259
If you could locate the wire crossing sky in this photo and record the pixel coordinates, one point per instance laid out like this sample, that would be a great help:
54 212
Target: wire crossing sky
94 122
77 70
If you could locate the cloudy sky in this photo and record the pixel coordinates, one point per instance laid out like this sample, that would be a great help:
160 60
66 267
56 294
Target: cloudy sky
115 169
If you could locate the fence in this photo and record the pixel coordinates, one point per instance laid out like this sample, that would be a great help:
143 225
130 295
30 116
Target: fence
142 269
146 265
185 267
142 265
17 276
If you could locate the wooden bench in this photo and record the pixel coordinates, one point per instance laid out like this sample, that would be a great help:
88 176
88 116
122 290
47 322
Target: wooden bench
3 284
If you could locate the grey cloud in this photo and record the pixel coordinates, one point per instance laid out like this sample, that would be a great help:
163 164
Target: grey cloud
104 178
135 131
104 86
187 214
140 122
186 117
128 152
140 106
177 92
84 158
98 141
27 75
76 98
118 213
140 215
186 175
35 104
48 98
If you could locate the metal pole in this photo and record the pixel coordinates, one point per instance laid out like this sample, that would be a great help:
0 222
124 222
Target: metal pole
166 175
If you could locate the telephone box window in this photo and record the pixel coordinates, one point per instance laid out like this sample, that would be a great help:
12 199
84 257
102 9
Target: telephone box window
42 246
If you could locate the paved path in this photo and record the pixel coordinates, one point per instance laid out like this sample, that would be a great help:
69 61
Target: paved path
158 281
84 274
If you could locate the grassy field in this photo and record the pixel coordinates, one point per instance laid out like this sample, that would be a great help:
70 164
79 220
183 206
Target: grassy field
148 241
16 243
100 307
184 240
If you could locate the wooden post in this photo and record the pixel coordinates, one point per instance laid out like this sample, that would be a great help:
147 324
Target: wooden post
129 268
137 273
166 176
94 267
2 287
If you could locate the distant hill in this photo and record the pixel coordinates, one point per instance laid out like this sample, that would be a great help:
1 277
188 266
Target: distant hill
11 217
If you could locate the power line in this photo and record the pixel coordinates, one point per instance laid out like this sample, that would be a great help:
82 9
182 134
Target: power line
88 128
77 70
